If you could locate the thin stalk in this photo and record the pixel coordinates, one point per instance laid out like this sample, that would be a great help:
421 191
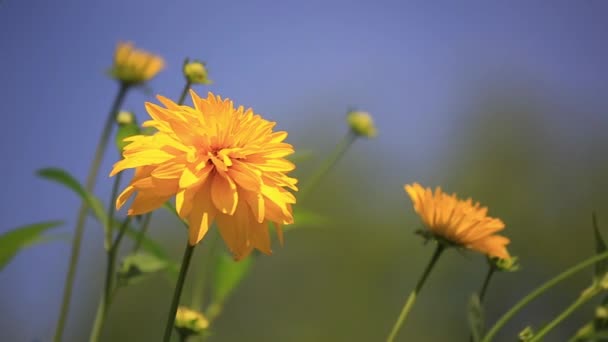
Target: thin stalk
178 291
200 279
111 209
142 232
338 152
484 289
412 297
540 290
82 213
182 96
106 296
486 282
563 315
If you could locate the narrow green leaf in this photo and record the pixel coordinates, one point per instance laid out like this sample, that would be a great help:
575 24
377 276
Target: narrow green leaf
64 178
476 319
228 274
306 218
17 239
136 267
600 246
300 156
154 248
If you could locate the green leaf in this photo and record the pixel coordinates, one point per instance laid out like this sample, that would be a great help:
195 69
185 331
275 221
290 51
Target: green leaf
136 267
476 320
17 239
300 156
600 247
228 274
306 218
153 248
64 178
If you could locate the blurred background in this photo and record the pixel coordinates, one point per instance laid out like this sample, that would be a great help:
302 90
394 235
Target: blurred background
501 101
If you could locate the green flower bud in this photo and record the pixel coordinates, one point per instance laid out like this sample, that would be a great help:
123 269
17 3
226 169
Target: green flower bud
125 118
196 72
362 124
189 322
505 265
526 335
127 127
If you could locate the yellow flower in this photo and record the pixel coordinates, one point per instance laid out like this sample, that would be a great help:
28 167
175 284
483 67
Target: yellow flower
134 66
458 222
220 163
362 124
190 322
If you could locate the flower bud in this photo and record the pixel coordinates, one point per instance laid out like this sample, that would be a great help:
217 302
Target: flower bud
526 335
125 118
196 72
361 123
189 322
505 265
127 127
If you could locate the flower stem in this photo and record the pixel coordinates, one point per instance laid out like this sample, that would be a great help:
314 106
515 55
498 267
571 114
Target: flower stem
338 152
484 289
200 278
111 210
142 232
178 291
412 297
569 310
540 290
182 97
106 296
486 282
82 213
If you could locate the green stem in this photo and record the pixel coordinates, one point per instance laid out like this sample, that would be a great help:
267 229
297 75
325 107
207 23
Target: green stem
486 282
142 232
178 291
569 310
540 290
111 210
106 296
338 152
198 289
484 289
412 297
182 97
82 213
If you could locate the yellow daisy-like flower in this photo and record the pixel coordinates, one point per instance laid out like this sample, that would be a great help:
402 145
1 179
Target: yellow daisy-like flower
458 222
221 163
135 66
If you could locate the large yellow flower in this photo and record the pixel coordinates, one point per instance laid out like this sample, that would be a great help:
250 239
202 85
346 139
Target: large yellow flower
458 222
134 66
220 163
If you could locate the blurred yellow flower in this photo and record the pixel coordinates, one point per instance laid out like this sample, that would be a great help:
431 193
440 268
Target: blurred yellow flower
458 222
221 163
190 322
135 66
362 124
